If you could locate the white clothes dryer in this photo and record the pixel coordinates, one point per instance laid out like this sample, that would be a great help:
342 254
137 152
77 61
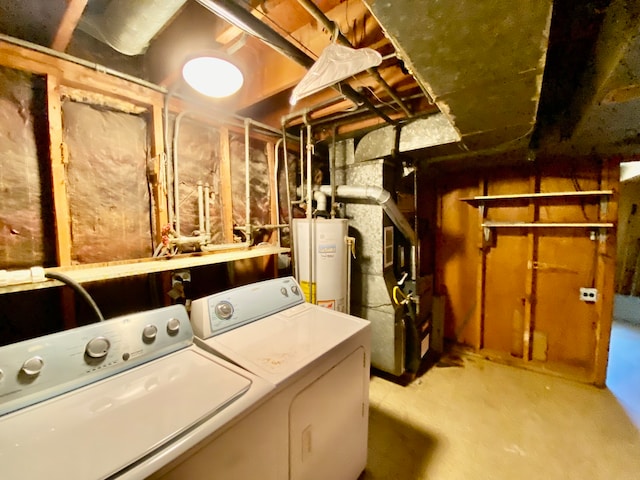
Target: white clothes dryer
317 359
121 399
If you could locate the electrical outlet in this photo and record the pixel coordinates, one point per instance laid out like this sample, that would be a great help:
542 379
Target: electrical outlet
180 276
588 294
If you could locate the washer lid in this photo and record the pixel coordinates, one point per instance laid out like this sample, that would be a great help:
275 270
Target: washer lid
100 429
278 346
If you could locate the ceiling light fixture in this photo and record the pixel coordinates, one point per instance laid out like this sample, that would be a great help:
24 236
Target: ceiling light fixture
212 75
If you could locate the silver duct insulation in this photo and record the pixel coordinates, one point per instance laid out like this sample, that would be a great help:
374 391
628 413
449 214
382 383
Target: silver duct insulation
380 196
128 26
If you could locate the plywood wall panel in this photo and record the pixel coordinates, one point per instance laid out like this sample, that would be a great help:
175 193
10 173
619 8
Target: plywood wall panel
457 259
505 292
526 280
506 266
566 262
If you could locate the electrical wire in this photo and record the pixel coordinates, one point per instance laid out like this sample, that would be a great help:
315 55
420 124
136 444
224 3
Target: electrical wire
397 290
78 289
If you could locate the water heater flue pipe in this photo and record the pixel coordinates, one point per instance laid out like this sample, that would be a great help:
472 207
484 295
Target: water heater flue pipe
380 196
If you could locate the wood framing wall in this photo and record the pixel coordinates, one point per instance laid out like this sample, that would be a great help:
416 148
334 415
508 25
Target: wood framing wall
85 177
512 288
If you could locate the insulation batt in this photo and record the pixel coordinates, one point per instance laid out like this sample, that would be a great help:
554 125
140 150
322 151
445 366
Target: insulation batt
22 225
107 184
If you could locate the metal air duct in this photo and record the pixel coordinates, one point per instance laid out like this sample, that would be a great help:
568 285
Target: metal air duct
128 26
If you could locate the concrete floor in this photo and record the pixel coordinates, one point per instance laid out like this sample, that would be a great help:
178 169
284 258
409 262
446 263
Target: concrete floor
474 419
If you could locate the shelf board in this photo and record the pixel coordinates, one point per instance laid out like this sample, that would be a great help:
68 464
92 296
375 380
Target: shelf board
475 201
110 271
490 224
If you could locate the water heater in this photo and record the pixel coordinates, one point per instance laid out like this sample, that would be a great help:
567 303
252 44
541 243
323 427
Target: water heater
321 257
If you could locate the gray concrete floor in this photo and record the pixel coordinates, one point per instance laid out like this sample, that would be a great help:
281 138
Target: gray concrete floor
474 419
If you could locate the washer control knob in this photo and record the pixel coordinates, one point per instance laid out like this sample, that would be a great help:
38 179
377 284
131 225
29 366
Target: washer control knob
97 347
33 366
284 292
149 333
224 310
295 290
173 326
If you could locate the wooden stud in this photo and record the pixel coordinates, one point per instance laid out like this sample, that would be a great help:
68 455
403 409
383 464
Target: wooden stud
58 180
605 272
226 198
61 212
271 262
68 24
270 151
159 172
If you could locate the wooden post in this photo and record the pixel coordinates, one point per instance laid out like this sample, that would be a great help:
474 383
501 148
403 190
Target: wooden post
605 270
68 24
58 158
226 198
58 180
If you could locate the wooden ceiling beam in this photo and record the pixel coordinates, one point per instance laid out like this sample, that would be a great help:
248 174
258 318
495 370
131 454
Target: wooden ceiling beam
273 73
68 24
287 16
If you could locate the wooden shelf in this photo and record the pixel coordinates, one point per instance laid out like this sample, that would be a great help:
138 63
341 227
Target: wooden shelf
481 200
94 273
491 224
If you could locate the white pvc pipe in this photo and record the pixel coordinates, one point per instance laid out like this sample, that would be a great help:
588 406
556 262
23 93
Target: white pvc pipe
321 201
200 208
247 180
309 171
302 185
207 214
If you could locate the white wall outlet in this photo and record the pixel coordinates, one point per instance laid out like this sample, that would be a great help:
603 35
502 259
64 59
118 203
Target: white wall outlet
588 294
180 276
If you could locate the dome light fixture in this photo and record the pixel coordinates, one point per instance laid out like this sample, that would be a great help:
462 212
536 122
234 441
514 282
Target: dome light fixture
212 75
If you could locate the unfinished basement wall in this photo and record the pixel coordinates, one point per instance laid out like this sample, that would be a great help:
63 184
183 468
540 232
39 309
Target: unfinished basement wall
198 150
83 186
512 290
24 178
107 183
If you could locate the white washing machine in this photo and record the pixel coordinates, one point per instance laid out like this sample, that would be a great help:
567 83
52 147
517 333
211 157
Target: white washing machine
318 361
123 398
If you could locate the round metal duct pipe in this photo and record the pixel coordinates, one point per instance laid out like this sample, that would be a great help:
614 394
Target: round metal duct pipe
128 26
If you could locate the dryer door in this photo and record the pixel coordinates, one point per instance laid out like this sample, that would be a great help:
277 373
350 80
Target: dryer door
329 423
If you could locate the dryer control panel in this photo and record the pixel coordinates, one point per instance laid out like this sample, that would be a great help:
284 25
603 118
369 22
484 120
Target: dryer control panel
35 370
230 309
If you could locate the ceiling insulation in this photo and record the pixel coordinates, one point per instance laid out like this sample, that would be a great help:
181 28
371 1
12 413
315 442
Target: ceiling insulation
610 99
482 62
